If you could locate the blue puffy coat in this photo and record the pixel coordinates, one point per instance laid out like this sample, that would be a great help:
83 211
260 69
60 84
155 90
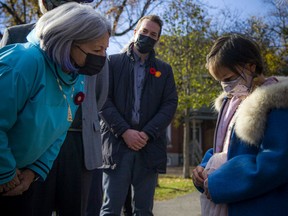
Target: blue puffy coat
254 180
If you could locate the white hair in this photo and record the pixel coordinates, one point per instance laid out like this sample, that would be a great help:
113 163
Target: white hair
42 7
69 23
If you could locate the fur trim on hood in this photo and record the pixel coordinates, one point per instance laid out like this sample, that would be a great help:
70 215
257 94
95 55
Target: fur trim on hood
252 112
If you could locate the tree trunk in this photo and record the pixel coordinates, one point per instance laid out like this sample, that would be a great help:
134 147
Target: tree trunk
194 142
186 158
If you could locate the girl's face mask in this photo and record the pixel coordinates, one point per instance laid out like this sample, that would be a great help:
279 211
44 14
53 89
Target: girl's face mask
239 86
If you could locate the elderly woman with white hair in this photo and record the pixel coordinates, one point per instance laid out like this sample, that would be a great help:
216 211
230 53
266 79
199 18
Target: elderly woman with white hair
41 89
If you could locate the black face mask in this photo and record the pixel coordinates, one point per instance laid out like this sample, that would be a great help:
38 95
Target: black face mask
144 44
93 64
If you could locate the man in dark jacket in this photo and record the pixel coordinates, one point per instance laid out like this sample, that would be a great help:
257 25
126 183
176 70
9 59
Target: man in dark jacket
141 103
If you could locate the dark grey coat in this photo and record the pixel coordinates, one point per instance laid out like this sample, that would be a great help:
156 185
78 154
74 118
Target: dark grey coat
158 105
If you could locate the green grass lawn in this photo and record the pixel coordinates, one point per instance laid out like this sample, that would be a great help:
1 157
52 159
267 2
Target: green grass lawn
172 186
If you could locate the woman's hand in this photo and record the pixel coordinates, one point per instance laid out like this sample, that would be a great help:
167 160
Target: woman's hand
11 184
26 177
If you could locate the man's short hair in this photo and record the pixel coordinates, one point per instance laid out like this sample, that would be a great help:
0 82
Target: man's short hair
153 18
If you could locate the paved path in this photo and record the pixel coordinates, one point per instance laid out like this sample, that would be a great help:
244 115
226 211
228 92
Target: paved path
187 205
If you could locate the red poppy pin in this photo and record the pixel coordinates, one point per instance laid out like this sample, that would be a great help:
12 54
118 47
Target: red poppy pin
154 72
79 98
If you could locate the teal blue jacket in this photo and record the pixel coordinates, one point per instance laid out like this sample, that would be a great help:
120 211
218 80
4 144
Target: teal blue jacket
33 110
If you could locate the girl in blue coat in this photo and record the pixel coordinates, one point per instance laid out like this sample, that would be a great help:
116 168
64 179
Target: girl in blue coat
251 129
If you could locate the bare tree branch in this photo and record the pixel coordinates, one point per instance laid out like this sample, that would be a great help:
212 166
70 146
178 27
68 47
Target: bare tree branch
124 14
12 12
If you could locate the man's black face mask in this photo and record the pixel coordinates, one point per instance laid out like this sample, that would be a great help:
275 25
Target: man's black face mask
144 44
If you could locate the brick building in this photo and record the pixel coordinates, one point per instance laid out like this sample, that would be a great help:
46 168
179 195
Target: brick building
202 125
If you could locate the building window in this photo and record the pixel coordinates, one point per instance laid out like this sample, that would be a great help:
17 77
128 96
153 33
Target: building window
195 131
